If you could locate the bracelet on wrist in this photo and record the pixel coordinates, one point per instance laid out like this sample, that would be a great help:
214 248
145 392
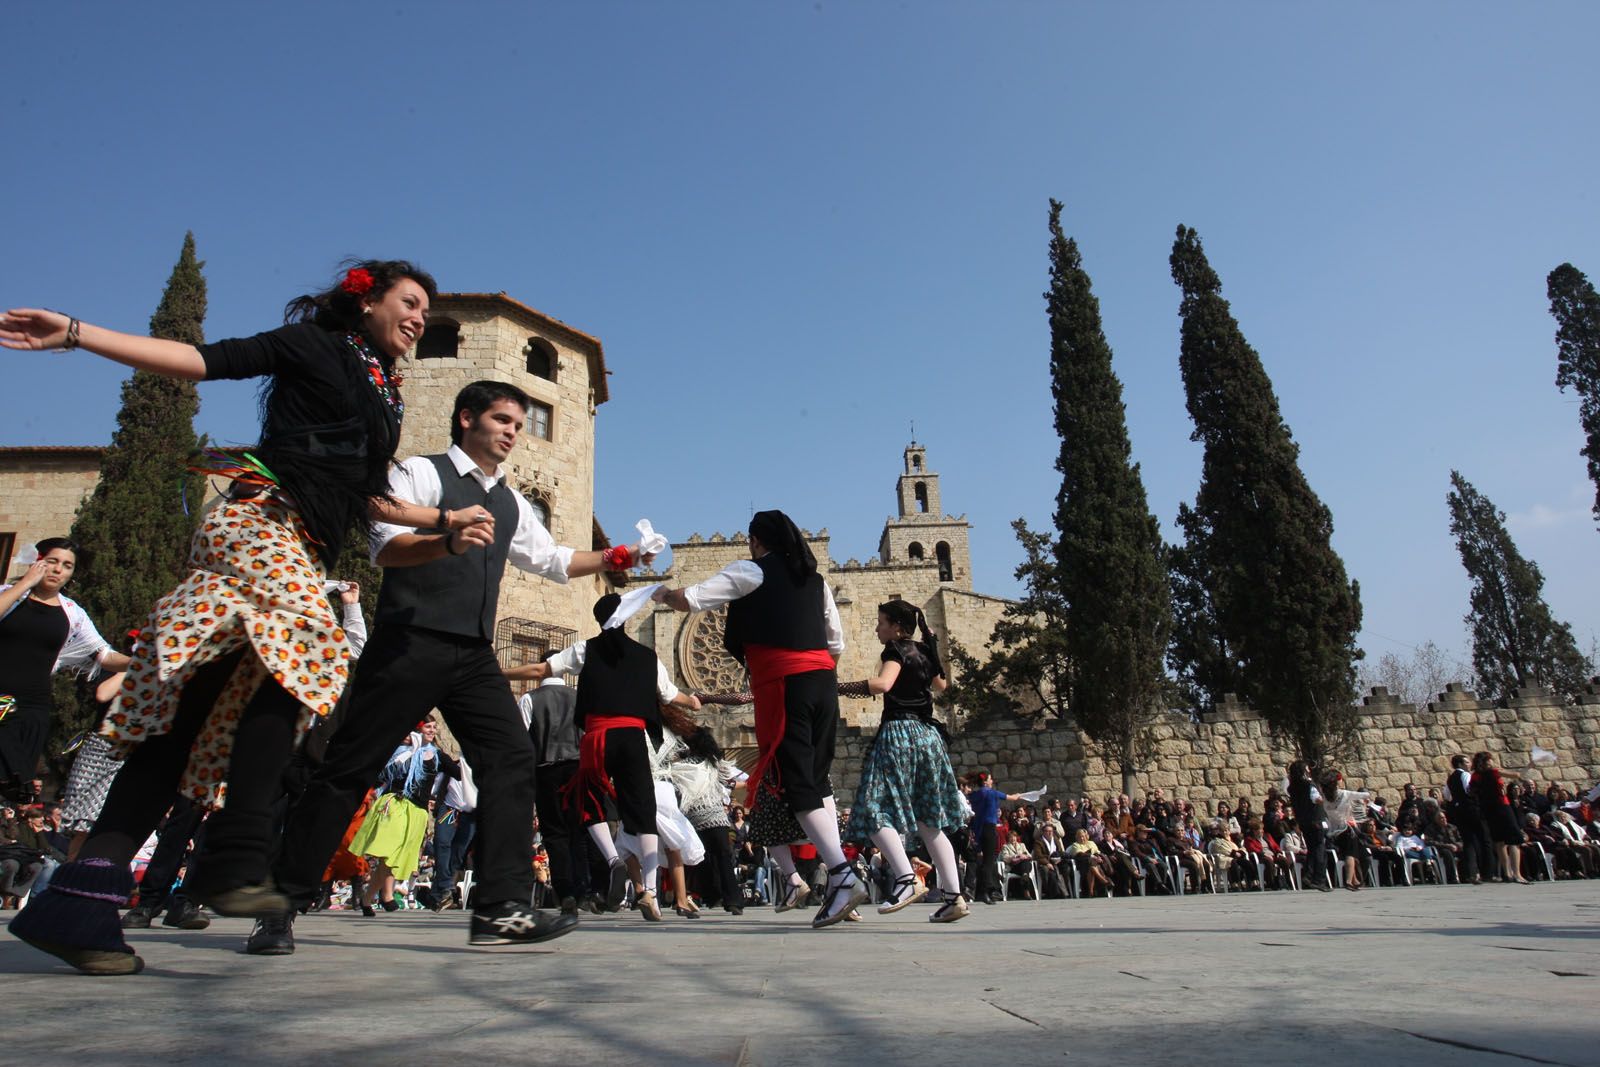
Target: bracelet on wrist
444 520
72 341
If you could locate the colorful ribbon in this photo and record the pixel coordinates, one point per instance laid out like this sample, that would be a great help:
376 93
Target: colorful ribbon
7 702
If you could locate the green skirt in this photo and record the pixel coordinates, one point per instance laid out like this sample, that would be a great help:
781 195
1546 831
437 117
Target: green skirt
392 832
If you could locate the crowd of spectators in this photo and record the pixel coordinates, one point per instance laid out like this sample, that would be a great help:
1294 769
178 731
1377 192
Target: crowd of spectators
1059 848
1156 844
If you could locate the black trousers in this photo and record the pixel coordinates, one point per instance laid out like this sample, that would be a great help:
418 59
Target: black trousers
811 724
988 848
1477 853
565 839
185 823
239 839
717 882
1316 853
405 672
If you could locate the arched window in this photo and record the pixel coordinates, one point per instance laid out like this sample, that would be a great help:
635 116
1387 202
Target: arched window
440 340
916 463
921 493
914 550
541 358
942 552
541 509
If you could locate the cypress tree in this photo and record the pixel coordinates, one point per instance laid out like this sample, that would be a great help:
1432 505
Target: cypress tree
1516 641
1576 308
1198 656
1281 600
1108 553
135 528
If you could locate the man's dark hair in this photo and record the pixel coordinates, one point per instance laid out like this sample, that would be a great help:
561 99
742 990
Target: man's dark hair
480 397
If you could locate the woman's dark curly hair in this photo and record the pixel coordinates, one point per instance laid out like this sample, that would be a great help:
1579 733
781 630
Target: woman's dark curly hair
337 309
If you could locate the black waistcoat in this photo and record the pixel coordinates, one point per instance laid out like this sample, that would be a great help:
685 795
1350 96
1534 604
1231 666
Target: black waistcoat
619 678
778 613
456 594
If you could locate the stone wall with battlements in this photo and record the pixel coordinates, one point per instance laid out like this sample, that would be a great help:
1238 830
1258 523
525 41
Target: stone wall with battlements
1230 753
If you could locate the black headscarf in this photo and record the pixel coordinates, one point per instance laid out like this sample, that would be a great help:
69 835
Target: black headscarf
782 537
608 643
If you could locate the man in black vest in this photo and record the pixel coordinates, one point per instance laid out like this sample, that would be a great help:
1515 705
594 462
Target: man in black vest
432 646
784 627
550 713
621 687
1462 808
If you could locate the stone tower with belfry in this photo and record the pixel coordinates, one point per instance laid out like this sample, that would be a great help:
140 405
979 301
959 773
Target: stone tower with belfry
922 532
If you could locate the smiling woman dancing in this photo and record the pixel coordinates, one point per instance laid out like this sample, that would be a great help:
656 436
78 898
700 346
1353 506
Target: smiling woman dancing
246 652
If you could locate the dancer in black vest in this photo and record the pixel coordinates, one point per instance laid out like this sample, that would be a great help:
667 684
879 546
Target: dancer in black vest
550 714
621 687
1462 808
783 625
432 646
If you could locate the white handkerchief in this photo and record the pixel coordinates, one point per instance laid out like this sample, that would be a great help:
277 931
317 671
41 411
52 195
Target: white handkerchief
650 542
26 556
1032 796
634 599
1542 757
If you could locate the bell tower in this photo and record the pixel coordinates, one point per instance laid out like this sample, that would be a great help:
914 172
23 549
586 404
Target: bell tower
922 533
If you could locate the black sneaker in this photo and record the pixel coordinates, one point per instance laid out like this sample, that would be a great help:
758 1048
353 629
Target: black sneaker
511 923
138 918
185 915
569 905
592 904
273 936
617 891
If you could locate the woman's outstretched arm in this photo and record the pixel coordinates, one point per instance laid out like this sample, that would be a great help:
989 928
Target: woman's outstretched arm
35 329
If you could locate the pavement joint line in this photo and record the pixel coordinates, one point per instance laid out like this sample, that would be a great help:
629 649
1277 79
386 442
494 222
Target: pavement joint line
1472 1047
1019 1015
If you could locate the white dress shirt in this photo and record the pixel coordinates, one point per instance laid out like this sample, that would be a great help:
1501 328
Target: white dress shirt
743 577
417 480
570 661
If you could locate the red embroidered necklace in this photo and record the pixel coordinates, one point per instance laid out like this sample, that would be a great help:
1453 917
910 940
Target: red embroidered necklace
386 383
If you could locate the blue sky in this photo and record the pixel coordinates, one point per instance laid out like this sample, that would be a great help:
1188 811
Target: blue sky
798 227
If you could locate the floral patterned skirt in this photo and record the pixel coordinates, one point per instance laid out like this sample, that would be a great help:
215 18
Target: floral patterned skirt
906 779
252 585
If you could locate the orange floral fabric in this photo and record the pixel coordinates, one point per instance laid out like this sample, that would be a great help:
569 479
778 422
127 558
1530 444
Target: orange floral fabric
252 585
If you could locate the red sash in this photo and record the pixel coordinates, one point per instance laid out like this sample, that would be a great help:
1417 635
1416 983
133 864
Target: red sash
769 667
592 777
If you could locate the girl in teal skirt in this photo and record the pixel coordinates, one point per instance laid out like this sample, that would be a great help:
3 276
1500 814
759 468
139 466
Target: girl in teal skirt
907 784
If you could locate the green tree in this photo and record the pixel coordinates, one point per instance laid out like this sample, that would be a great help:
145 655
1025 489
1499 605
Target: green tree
1108 553
1027 666
1202 664
1516 641
1280 597
1576 307
136 525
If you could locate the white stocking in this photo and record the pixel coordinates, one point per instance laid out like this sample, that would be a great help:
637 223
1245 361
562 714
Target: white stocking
649 859
944 857
893 849
783 859
600 834
822 827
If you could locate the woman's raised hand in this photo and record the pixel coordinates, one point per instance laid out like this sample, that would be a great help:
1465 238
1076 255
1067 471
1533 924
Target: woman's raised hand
36 573
33 329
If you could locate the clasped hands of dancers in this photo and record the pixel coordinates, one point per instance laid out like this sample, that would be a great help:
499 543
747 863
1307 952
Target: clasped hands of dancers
238 661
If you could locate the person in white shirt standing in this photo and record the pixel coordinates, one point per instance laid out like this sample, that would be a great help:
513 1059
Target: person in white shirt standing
783 625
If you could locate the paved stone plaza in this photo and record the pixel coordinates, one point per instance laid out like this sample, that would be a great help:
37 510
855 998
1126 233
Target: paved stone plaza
1491 975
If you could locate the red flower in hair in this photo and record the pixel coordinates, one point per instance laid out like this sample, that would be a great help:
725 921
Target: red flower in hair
357 281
